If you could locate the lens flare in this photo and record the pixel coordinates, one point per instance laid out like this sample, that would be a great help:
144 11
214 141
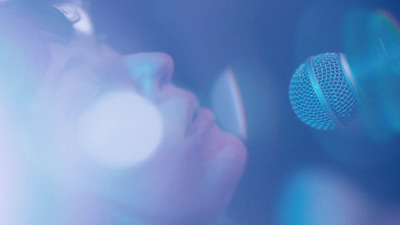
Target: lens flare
228 104
372 46
121 129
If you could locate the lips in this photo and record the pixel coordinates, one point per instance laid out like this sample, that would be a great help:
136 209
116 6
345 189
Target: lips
198 119
202 121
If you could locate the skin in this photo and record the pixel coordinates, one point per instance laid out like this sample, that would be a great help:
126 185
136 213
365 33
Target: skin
189 179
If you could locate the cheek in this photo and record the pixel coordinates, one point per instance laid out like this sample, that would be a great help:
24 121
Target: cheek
223 147
174 125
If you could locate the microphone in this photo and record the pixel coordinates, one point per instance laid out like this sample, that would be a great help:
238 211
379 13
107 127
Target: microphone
321 93
330 90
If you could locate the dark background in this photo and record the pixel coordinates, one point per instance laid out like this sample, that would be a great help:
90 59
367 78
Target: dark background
264 41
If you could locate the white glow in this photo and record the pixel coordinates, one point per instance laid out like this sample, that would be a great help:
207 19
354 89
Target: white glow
121 129
10 175
79 16
84 24
5 193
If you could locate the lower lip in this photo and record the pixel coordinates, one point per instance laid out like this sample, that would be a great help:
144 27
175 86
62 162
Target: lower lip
204 120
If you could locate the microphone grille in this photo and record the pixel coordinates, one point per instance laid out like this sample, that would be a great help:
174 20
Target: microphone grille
305 102
329 99
336 87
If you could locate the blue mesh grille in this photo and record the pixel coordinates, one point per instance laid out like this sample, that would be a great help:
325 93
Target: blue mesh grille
335 87
305 102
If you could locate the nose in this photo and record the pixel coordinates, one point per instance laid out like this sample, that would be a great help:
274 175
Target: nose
151 72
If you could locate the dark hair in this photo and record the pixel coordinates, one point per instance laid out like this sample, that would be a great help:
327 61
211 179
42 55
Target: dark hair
41 13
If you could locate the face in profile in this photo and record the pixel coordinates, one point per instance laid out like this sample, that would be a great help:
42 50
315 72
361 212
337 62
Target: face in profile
114 133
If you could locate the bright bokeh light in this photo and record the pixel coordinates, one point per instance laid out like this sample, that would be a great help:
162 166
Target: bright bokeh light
319 197
121 129
228 104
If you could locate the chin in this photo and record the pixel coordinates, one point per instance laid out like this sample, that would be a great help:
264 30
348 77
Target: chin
225 154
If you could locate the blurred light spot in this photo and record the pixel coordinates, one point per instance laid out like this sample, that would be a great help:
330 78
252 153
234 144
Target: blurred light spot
10 174
372 45
121 129
318 197
228 105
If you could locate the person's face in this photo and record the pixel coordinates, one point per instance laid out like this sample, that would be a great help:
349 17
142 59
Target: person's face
191 172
